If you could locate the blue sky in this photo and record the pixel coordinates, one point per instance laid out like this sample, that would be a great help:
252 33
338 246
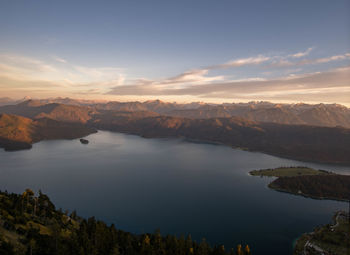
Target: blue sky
173 50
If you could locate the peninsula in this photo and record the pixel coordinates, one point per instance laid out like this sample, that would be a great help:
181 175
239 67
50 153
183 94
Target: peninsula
308 182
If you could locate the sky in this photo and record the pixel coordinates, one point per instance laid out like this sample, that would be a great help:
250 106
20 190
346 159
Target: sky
186 50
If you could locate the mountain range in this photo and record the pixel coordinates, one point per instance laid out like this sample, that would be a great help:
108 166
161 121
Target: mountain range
329 115
299 131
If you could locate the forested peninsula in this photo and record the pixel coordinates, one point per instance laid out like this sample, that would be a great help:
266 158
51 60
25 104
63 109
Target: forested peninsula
308 182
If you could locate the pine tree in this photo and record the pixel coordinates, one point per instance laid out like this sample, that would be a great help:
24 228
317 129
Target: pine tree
115 250
247 250
204 248
239 249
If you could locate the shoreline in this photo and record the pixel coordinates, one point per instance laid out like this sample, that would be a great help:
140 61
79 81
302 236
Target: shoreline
266 150
210 142
307 196
306 239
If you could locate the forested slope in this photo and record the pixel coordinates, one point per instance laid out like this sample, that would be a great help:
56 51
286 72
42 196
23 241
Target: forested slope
32 225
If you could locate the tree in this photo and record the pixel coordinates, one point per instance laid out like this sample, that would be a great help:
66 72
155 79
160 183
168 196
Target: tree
204 248
158 243
247 250
27 195
188 243
73 215
56 231
6 248
115 250
146 245
239 249
31 246
220 250
35 205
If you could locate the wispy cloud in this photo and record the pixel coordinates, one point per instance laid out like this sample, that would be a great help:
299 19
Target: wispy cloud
23 66
19 71
301 54
325 60
242 62
58 59
284 62
187 78
192 76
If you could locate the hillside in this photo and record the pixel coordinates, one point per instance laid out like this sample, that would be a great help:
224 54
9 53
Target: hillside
18 132
32 225
302 142
334 186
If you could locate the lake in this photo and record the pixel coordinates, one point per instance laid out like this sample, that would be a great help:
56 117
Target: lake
179 187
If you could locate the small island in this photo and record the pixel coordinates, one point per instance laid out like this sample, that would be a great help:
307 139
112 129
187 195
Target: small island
84 141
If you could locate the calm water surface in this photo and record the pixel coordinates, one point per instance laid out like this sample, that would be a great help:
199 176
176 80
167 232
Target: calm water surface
179 187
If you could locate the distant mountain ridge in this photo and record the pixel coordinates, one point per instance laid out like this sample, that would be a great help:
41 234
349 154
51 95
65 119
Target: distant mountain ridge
35 109
315 115
329 115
